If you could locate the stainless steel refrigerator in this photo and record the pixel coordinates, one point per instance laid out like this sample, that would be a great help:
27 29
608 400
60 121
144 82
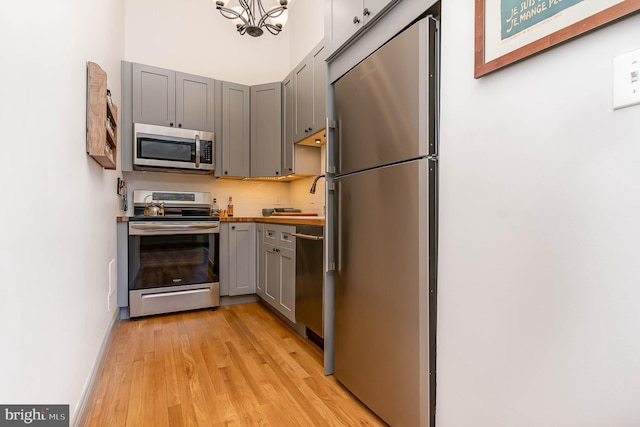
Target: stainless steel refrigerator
386 225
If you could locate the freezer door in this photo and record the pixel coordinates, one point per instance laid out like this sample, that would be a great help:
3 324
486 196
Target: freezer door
382 290
381 106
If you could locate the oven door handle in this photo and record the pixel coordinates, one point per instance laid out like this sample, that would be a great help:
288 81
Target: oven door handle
175 293
307 236
197 151
178 228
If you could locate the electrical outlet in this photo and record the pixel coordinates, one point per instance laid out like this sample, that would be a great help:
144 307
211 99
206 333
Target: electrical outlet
626 80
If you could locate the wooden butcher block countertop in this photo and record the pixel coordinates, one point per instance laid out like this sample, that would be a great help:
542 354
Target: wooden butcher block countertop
308 220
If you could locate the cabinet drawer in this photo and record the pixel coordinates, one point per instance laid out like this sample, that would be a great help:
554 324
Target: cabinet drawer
285 239
280 235
270 235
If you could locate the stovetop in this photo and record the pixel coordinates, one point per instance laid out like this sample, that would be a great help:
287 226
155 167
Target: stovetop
178 205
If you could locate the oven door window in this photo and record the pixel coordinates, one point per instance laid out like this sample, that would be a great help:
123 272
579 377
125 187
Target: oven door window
183 259
159 149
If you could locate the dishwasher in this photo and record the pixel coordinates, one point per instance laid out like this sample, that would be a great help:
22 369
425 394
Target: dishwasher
309 278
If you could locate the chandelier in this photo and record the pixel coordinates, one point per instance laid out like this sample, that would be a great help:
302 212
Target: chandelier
251 16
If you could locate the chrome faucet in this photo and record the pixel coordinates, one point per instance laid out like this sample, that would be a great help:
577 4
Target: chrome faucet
313 186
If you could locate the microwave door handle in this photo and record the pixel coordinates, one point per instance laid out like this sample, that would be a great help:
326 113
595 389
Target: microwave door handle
197 151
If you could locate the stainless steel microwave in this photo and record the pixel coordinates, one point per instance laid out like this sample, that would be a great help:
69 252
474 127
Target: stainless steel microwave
163 148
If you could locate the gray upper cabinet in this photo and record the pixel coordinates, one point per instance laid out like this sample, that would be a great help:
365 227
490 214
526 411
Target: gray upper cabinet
169 98
349 17
318 59
346 19
309 87
266 130
287 125
236 125
303 100
195 102
154 95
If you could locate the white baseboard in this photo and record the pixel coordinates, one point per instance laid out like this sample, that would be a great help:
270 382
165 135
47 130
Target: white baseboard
81 414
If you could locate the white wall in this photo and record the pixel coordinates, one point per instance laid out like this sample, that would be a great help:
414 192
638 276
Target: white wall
58 206
193 37
538 319
306 23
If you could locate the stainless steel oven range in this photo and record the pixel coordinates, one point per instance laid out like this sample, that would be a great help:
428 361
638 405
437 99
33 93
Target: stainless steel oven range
173 258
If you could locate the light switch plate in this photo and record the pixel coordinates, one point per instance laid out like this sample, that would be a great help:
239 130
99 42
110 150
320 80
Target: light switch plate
626 80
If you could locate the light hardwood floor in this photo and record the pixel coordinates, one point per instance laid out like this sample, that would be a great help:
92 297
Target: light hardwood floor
236 366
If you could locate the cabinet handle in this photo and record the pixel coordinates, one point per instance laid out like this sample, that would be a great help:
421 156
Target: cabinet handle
310 129
179 125
233 227
290 169
226 172
366 12
277 173
306 131
356 20
171 124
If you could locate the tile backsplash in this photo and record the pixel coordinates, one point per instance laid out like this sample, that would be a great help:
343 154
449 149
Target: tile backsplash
249 197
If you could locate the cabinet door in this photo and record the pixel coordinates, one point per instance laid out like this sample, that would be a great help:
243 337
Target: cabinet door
266 129
260 260
287 301
318 57
236 125
374 7
242 259
271 274
195 102
154 95
287 125
346 19
303 100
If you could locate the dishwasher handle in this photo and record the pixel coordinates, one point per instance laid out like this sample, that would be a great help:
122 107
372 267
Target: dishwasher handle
307 236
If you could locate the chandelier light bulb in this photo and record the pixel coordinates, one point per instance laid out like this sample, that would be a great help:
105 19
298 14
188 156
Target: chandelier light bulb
280 19
240 11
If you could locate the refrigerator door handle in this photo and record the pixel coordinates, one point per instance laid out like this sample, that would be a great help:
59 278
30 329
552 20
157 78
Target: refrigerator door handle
331 149
337 250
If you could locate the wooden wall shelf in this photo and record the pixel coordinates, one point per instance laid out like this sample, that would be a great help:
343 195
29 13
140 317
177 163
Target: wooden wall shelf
102 119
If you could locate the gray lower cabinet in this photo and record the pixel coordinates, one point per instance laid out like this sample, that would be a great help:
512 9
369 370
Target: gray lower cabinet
237 258
279 254
266 130
235 130
260 260
309 94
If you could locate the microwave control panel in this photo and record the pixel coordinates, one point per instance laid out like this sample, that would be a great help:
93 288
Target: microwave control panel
206 152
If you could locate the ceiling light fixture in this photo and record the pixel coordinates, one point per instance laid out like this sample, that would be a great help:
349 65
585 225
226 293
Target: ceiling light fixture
250 16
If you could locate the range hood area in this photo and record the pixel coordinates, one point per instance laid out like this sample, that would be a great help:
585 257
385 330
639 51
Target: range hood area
307 160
